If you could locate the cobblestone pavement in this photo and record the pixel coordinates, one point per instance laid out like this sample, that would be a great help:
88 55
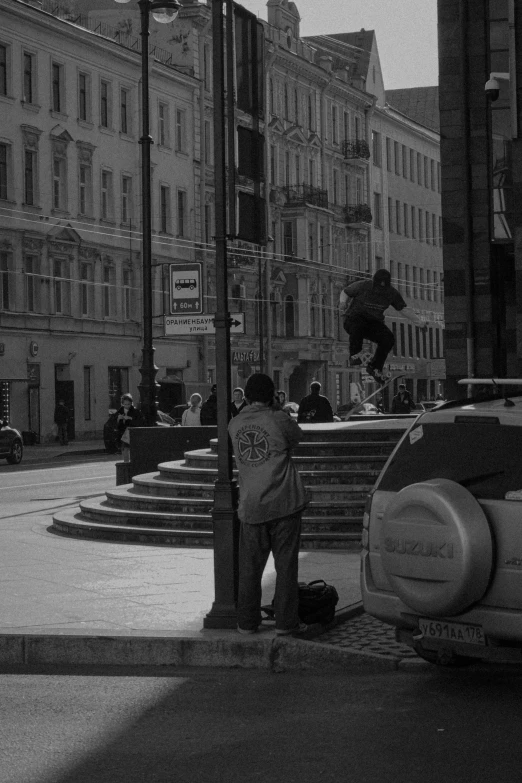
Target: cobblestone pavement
366 634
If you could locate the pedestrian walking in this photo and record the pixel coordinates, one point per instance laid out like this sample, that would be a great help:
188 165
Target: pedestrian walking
271 499
315 408
364 318
238 402
126 417
209 408
403 401
192 416
61 419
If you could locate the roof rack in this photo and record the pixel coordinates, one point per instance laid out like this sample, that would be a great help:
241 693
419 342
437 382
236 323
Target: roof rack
490 382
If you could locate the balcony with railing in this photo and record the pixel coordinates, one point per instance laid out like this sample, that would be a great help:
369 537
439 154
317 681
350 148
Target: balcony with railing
357 215
356 150
299 195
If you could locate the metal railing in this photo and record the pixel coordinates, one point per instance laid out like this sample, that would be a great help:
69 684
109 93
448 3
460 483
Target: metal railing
356 149
357 213
306 194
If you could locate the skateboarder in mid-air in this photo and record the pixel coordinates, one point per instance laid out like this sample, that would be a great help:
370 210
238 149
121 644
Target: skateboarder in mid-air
364 318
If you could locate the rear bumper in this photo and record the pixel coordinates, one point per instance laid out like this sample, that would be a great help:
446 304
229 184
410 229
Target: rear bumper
499 625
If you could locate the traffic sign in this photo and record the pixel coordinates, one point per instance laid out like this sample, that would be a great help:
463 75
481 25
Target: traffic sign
201 324
186 295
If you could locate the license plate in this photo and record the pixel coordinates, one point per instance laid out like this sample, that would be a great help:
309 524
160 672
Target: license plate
452 632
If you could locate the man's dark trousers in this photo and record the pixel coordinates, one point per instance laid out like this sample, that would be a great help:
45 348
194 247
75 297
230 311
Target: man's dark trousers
360 328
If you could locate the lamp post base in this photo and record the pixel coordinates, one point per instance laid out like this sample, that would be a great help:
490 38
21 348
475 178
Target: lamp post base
223 613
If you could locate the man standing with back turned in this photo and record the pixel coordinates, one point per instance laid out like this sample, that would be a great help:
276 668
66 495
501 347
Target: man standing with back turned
271 499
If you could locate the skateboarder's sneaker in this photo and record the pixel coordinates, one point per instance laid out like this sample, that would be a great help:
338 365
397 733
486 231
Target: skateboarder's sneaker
355 360
376 374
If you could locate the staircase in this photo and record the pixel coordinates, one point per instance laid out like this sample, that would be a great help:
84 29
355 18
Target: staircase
173 506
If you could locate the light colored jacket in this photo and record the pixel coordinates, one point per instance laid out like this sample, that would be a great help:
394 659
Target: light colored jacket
269 485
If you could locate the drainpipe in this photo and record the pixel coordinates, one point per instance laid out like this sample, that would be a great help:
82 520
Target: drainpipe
202 188
468 233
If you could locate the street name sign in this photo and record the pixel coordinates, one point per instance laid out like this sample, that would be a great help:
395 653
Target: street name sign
186 295
201 324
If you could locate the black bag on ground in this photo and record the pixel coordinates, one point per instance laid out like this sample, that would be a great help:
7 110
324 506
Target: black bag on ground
317 602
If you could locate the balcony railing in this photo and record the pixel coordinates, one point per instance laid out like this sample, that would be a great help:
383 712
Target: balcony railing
357 213
297 195
356 149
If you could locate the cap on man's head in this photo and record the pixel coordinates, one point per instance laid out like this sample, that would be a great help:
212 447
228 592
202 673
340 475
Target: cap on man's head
402 385
259 388
315 386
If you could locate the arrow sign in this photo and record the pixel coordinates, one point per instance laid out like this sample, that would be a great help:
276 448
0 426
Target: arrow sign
201 324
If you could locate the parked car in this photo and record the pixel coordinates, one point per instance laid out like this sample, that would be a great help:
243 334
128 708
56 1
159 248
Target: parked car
442 551
11 443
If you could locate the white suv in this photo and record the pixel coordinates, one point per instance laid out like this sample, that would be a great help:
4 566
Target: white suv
442 531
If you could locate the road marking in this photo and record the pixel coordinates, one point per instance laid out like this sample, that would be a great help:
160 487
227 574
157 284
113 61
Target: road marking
49 483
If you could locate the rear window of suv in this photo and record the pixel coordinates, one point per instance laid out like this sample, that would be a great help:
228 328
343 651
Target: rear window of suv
483 456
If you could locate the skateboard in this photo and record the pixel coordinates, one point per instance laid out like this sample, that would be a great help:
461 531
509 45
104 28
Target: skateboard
378 390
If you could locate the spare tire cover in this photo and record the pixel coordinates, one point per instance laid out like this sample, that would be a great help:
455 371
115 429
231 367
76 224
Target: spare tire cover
436 547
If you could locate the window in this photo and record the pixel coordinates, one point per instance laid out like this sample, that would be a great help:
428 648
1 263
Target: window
206 66
62 287
165 226
322 244
347 189
108 291
440 231
57 88
391 224
29 83
314 316
435 288
30 169
398 217
5 69
404 162
429 296
359 190
298 170
410 340
396 149
427 234
407 276
400 281
182 213
5 155
105 104
377 210
273 172
422 287
434 229
311 172
118 385
415 282
181 130
412 166
6 282
59 181
125 111
402 347
311 241
86 289
426 174
346 125
432 174
358 128
394 330
335 132
127 294
413 225
310 112
287 168
289 237
421 232
431 354
437 343
419 168
208 143
107 196
84 97
85 189
32 284
335 187
87 393
126 200
376 148
406 214
285 102
389 154
438 176
208 223
163 125
296 107
289 317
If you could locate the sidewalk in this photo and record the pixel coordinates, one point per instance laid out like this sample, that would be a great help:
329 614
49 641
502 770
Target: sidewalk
44 451
66 601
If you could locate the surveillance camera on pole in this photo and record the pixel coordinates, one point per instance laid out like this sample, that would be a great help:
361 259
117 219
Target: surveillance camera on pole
492 87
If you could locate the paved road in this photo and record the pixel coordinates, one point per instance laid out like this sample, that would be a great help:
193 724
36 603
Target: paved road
46 486
217 726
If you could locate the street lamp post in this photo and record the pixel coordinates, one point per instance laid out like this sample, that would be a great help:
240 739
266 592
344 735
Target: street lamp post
163 11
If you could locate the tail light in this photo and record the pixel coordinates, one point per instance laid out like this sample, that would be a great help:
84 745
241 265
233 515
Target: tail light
366 522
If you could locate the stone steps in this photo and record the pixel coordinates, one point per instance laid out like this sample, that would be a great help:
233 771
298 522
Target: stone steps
173 506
